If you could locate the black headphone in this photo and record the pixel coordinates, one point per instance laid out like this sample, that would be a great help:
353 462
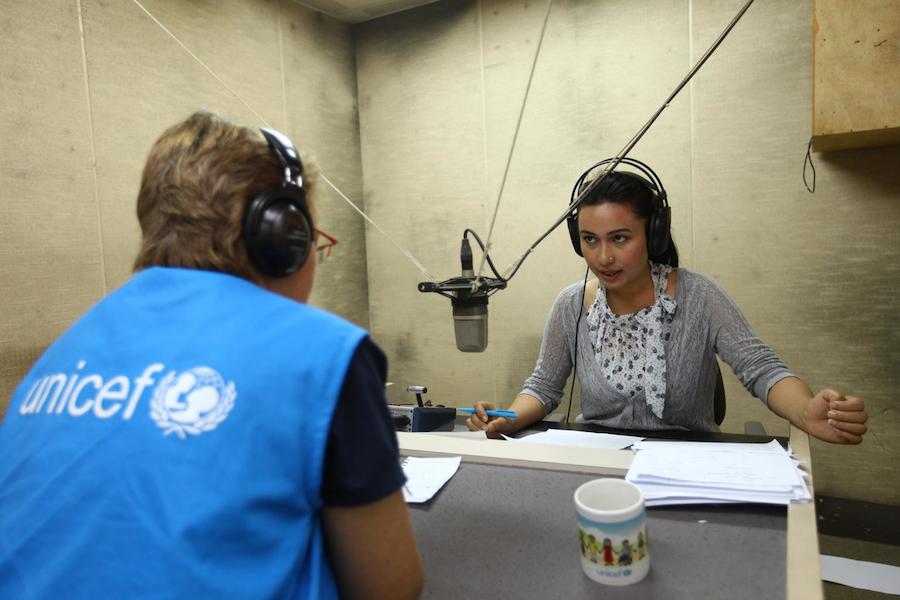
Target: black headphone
658 232
277 230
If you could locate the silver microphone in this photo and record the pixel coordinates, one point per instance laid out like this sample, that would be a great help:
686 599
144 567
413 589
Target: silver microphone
469 296
470 311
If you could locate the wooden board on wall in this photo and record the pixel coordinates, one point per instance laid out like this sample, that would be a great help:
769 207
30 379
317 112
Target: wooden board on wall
856 74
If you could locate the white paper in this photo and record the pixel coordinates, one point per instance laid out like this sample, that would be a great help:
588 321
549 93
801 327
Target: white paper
425 476
579 439
710 465
771 447
465 435
706 496
861 574
683 501
696 472
726 469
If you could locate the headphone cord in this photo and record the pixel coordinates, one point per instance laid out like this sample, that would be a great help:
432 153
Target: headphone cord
575 361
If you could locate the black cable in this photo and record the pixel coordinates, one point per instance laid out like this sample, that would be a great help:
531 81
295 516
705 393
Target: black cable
808 160
485 252
575 365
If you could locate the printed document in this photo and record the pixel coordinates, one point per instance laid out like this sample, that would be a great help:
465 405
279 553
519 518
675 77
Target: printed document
700 472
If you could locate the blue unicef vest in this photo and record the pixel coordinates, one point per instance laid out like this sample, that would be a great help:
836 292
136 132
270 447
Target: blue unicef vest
171 444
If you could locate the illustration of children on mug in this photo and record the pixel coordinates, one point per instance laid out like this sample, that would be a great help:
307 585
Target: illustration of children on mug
641 549
612 555
609 559
625 553
589 548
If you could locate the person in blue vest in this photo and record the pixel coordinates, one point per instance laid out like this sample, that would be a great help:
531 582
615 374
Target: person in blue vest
202 432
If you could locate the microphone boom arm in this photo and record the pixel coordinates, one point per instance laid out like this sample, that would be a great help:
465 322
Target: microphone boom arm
633 141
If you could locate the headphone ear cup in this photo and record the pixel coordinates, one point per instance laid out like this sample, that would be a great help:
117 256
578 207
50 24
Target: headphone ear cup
278 232
658 229
572 225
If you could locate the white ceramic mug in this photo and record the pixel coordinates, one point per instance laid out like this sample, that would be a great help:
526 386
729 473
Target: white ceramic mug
612 525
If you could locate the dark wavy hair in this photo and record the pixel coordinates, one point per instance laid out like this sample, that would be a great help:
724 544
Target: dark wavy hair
633 190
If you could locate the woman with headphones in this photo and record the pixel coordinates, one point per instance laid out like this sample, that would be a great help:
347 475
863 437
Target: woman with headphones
644 335
202 432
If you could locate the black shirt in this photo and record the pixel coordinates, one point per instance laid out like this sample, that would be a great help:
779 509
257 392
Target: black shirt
361 457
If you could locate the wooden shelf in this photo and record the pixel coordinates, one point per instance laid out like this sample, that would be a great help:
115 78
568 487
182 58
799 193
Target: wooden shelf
856 74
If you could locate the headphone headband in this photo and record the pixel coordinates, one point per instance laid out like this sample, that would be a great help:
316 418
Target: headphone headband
278 230
287 155
650 177
658 223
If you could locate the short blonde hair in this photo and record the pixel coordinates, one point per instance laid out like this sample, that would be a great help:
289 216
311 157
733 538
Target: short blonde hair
199 178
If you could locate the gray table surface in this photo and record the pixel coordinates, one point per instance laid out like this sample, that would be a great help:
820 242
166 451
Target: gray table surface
509 532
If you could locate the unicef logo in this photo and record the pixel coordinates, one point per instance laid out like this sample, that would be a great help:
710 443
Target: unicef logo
191 402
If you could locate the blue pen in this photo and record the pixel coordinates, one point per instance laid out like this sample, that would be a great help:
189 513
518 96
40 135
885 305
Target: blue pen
492 413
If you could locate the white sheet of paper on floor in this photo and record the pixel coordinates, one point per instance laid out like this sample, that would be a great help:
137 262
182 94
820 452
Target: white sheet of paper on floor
861 574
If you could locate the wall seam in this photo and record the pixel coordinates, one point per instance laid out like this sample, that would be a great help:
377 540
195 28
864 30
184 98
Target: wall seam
690 18
284 114
354 40
90 116
484 152
484 143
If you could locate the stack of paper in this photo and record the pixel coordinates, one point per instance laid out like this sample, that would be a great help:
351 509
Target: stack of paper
710 472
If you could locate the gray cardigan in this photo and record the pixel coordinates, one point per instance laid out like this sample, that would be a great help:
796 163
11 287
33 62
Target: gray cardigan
707 322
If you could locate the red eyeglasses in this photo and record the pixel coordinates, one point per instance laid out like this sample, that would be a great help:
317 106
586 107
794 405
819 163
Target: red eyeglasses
323 248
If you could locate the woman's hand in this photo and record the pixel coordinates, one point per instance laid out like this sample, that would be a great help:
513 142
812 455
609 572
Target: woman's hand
491 426
835 418
828 415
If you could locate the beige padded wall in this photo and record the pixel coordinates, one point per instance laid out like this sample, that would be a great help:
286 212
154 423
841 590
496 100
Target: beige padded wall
321 108
142 82
816 274
69 232
586 101
50 249
440 88
419 86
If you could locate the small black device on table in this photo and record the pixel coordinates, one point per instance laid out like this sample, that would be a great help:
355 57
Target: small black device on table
421 416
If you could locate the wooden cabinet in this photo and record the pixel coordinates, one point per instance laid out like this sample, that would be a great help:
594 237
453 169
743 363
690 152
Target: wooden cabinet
856 74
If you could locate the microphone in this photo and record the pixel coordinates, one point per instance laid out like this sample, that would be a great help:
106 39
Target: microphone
470 310
469 297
